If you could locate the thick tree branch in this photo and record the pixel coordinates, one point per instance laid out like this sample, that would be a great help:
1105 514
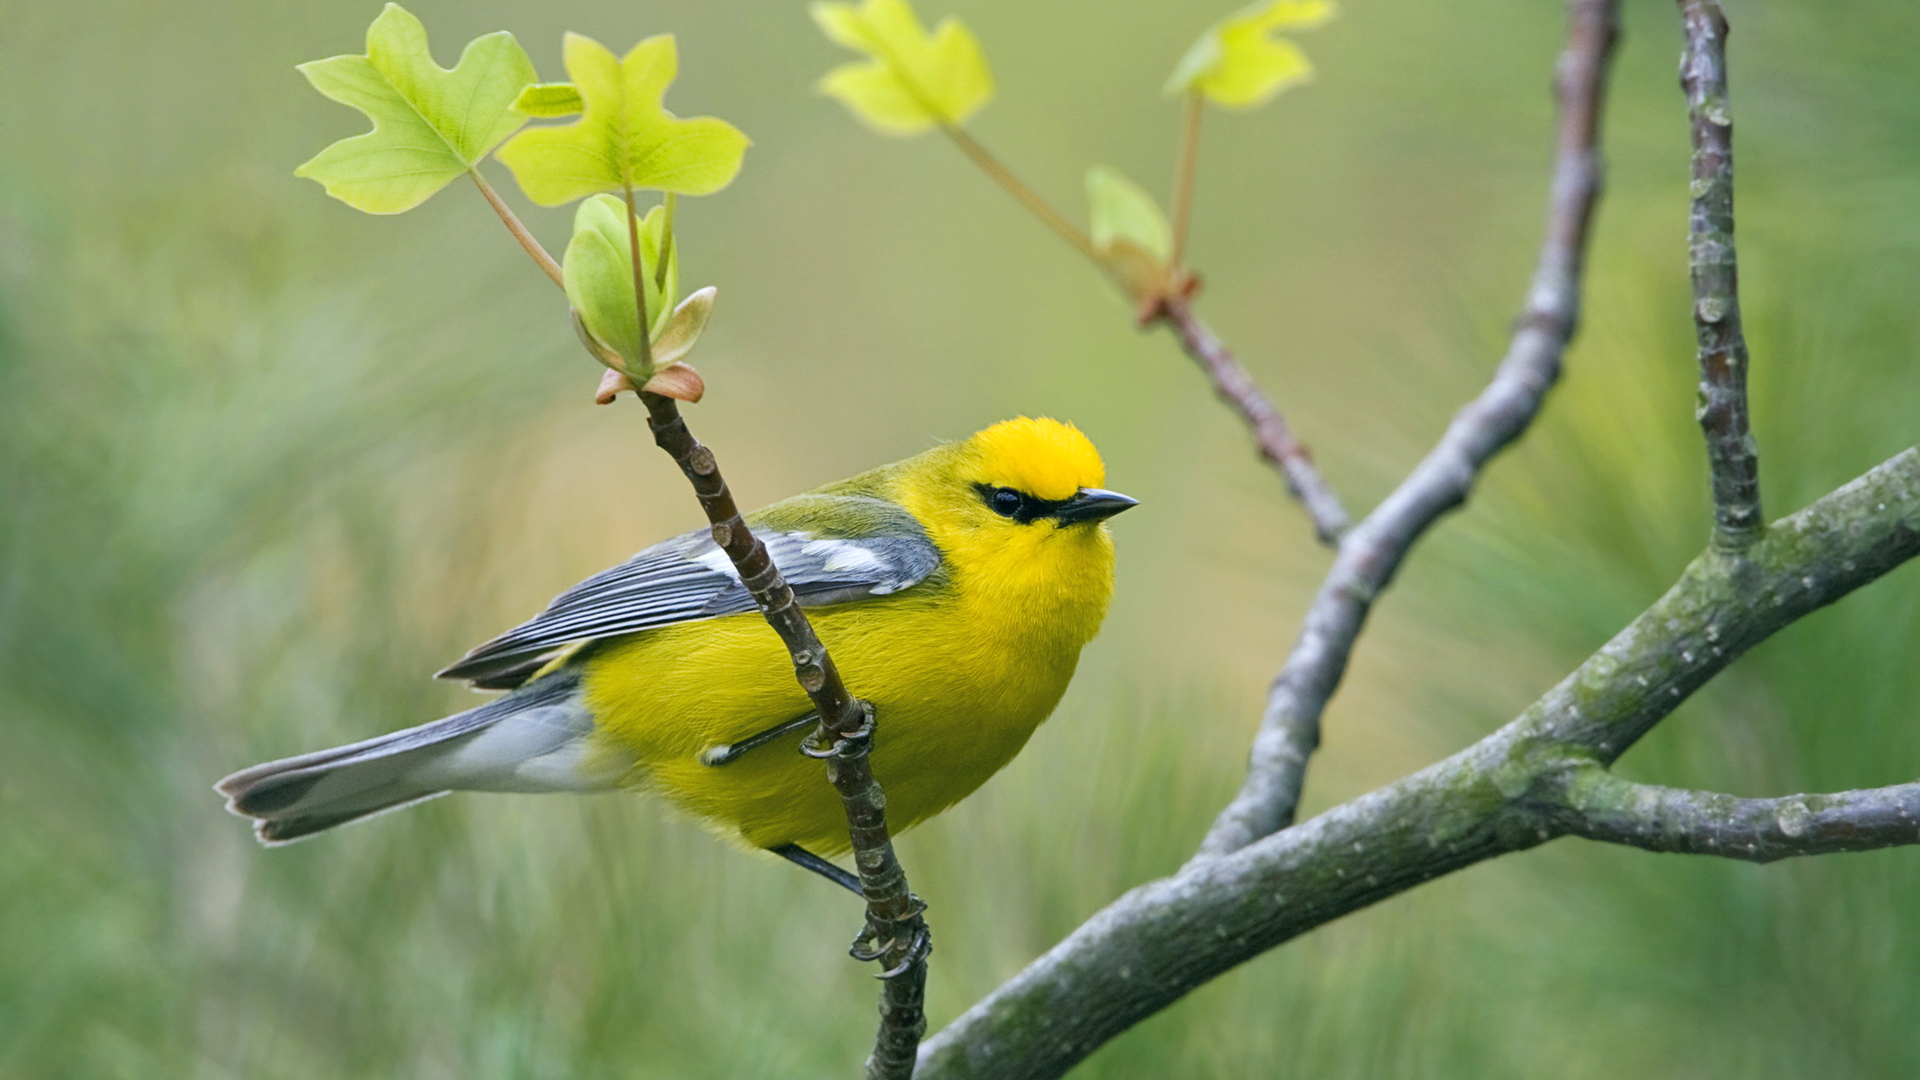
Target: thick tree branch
1270 431
1602 806
1372 551
1510 791
896 934
1724 605
1731 453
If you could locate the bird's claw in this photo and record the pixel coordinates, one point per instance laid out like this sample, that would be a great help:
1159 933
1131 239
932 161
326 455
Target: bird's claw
855 743
876 941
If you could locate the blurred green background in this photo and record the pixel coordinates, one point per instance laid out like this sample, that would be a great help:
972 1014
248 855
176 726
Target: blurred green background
266 462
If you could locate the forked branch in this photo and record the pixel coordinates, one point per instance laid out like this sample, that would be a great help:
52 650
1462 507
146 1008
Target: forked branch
1372 551
1534 779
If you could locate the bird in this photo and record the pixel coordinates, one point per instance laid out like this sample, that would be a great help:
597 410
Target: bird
954 589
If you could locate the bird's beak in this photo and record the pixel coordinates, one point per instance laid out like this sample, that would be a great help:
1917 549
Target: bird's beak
1093 504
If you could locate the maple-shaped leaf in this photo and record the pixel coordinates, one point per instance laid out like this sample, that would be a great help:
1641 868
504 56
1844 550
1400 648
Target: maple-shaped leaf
912 80
599 277
429 124
624 138
1130 234
1240 61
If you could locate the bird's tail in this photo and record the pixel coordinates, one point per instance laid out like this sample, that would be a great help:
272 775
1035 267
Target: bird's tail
535 739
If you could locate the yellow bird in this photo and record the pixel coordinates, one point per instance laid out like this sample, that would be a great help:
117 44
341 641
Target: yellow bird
955 590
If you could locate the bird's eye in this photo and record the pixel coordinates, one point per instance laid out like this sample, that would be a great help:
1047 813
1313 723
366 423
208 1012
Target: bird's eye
1005 501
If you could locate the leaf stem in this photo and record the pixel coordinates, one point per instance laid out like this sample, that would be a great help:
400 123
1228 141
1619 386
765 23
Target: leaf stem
519 231
981 156
1183 174
639 285
666 246
1023 194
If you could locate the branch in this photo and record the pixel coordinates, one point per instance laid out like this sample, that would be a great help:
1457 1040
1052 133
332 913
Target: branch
1510 791
896 934
1722 412
1231 381
1270 431
1724 605
1370 554
1602 806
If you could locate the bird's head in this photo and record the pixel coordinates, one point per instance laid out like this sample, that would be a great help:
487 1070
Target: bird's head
1023 496
1036 475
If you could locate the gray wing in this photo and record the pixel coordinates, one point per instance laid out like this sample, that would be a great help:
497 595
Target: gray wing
689 578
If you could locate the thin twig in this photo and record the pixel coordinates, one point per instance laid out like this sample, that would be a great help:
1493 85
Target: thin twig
1605 807
512 221
1372 551
1270 430
1731 453
1510 791
1185 166
1231 381
896 933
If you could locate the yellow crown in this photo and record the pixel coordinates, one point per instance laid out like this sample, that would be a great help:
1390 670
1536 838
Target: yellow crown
1042 457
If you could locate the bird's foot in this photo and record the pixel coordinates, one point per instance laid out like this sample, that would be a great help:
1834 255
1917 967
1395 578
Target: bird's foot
855 743
880 939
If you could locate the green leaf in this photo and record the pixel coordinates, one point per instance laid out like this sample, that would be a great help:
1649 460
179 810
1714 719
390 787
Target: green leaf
682 329
671 376
624 139
1121 211
599 276
911 80
429 124
1241 63
1130 234
549 101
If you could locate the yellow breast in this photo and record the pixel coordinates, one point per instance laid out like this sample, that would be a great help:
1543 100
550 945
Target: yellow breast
960 673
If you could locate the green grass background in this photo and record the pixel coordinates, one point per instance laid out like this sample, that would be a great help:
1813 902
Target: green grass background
266 462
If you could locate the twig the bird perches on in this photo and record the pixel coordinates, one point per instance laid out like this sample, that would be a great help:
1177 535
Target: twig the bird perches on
896 935
1534 779
896 931
1270 431
1731 453
1372 551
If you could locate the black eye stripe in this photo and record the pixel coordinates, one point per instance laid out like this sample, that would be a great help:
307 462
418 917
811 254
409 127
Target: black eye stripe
1016 504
